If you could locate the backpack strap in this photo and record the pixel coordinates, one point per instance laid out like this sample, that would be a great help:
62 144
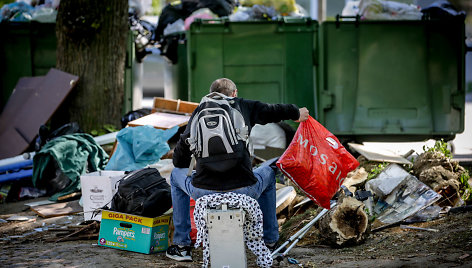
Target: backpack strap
216 95
191 166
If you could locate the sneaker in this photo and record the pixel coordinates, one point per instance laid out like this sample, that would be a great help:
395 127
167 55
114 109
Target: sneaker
273 246
179 253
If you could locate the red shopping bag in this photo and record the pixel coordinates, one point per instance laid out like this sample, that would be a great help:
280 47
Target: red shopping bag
316 162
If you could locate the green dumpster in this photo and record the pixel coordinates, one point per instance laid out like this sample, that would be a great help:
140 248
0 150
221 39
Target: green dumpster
363 80
392 80
270 61
29 49
26 49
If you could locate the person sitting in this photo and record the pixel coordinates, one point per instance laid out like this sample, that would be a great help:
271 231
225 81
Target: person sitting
258 183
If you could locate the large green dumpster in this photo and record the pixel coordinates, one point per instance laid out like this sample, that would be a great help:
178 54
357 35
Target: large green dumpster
29 49
363 80
392 79
271 61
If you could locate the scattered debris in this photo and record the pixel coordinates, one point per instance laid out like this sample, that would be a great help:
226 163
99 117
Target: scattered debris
106 139
379 154
284 197
442 174
460 209
355 179
21 218
418 228
304 201
69 196
387 180
39 203
409 197
427 214
58 209
346 224
70 233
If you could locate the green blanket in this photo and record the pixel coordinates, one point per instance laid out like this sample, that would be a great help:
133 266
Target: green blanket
62 161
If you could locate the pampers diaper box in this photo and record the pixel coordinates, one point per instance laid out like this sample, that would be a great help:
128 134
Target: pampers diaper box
134 233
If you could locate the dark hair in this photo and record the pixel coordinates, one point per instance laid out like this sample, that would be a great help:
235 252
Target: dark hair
223 86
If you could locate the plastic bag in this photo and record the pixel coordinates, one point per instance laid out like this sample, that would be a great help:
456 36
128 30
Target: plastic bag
316 162
203 13
388 10
139 146
283 7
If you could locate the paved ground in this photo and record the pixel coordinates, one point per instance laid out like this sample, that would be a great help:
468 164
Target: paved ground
451 246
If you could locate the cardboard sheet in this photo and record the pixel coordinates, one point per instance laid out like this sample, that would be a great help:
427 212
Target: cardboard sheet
58 209
161 120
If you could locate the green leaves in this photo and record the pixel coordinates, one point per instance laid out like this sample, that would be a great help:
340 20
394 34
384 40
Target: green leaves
376 170
439 146
107 128
465 188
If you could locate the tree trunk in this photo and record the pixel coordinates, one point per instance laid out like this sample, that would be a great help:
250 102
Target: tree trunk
346 224
91 38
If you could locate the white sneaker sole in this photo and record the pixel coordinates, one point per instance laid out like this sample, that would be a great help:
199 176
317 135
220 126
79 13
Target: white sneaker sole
179 258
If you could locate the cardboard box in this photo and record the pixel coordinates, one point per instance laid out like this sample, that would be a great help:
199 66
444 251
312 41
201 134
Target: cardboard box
134 233
98 189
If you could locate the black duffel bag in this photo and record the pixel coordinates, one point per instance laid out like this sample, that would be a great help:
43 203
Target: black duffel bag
142 192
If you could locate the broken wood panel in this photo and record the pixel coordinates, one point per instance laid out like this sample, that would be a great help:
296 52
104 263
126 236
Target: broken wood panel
178 106
49 95
58 209
161 120
35 110
21 93
11 140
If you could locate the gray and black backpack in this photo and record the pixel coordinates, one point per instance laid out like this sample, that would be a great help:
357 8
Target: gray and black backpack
218 134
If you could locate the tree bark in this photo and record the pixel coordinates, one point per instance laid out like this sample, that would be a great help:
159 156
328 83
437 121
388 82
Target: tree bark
346 224
91 38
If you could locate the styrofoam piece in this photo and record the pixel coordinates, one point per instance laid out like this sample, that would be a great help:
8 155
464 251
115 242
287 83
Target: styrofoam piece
106 139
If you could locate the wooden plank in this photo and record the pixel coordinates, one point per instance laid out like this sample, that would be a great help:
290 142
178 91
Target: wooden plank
161 120
176 106
58 209
284 197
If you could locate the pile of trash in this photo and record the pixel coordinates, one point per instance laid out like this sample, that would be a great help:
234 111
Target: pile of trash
22 11
177 16
393 10
379 195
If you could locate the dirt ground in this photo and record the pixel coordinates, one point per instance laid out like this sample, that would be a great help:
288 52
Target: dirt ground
27 244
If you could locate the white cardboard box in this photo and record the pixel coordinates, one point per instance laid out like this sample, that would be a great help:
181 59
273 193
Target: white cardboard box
98 189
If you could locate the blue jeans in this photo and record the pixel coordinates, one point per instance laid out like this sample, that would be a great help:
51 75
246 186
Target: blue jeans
182 189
